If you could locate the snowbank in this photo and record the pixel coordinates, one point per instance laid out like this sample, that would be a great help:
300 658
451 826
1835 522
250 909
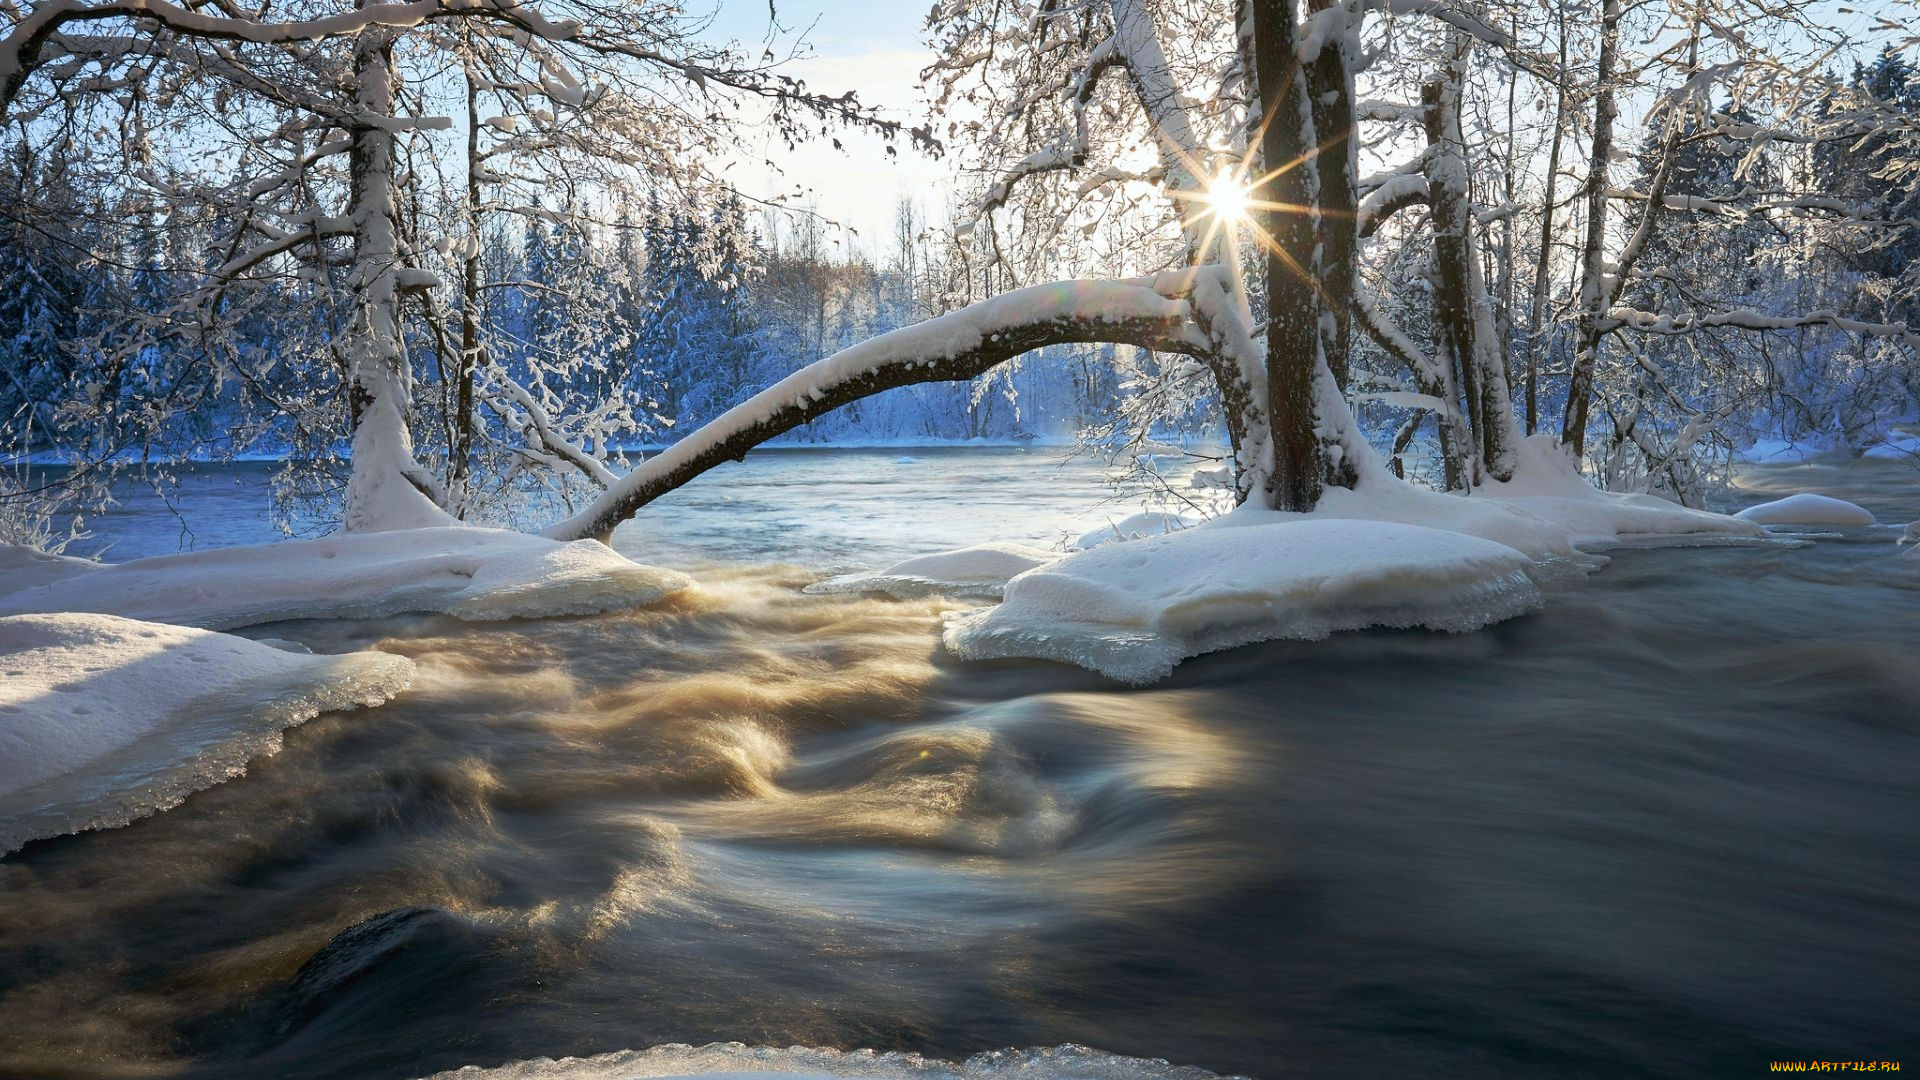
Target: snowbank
734 1061
1807 508
1898 446
104 720
1547 485
24 568
1780 452
982 571
470 573
1145 523
1132 611
1384 553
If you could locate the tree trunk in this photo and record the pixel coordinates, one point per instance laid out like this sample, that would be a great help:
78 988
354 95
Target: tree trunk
386 487
460 456
1329 81
1462 306
1537 309
1309 449
1593 256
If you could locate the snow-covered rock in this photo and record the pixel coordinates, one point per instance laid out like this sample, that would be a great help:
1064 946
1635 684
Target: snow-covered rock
1145 523
1807 508
1132 611
981 571
104 720
1898 446
735 1061
470 573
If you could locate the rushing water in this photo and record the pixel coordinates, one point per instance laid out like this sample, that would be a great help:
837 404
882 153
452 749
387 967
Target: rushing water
1666 827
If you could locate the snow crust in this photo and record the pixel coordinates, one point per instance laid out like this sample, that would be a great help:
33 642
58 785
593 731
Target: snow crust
1807 508
470 573
735 1061
1132 611
1547 485
23 567
1898 446
982 570
104 720
1384 553
1145 523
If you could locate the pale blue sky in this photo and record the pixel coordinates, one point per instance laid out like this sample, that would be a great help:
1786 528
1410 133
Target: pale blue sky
873 48
846 28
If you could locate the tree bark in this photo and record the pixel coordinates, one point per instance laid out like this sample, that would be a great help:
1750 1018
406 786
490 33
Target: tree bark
1462 306
1329 81
460 455
386 487
1593 256
1537 309
1288 195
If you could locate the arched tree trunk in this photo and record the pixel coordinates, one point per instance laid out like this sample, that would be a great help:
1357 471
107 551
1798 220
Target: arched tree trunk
1153 313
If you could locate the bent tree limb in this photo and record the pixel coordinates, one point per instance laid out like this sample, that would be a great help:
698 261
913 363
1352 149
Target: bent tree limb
961 344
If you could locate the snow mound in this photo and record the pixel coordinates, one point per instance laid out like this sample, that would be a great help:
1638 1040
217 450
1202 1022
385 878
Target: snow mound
1807 508
470 573
104 720
24 568
982 570
1393 501
1218 478
1899 446
1143 524
1133 611
1547 484
734 1061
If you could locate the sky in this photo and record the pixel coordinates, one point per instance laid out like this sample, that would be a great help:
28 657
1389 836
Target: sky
875 49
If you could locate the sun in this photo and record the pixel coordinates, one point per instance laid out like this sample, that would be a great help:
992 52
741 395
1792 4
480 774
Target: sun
1228 198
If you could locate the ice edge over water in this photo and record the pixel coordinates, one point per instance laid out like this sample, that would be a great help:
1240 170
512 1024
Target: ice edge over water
1133 611
737 1061
192 744
1142 656
468 572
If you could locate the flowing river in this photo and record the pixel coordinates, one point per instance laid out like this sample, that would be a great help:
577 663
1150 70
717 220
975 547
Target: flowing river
1668 826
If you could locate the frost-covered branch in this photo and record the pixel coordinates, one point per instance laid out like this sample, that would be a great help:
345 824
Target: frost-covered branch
1650 323
556 447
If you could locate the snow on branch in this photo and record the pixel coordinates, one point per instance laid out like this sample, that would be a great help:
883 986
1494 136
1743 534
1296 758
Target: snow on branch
1452 14
556 447
1389 198
23 42
962 344
1136 43
1744 319
1044 161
